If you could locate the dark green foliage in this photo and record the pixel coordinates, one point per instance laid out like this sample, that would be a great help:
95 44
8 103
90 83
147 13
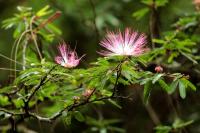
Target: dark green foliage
175 127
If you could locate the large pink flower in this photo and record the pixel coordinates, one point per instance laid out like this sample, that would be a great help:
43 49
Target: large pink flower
67 57
129 43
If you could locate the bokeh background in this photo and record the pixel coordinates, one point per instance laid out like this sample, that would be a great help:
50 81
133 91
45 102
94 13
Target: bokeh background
83 24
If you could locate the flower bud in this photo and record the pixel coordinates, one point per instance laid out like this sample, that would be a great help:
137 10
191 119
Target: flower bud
197 4
158 69
76 98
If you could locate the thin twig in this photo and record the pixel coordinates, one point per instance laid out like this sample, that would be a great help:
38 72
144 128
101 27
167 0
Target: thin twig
70 108
49 20
116 81
8 69
24 54
153 115
16 49
41 83
1 55
34 37
11 112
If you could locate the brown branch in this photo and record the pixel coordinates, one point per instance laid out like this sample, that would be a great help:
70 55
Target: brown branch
118 76
58 114
49 20
153 115
72 107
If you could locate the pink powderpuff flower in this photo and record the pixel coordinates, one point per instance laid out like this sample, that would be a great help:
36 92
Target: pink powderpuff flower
129 43
197 4
67 57
196 1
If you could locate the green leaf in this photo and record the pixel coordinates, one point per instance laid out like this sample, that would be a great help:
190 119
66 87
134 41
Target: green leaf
163 129
55 29
116 129
67 119
19 29
23 9
78 116
164 85
190 84
181 124
147 91
172 56
160 3
156 77
182 88
140 13
159 41
173 86
99 102
3 100
44 11
103 130
115 103
147 2
189 56
19 103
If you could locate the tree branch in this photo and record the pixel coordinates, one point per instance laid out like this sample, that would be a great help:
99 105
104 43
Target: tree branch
70 108
36 88
11 112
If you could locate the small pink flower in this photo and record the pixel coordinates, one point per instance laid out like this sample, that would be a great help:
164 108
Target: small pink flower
196 1
67 57
197 4
129 43
158 69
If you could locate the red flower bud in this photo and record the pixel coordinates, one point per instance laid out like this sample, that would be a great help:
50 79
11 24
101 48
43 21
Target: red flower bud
158 69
